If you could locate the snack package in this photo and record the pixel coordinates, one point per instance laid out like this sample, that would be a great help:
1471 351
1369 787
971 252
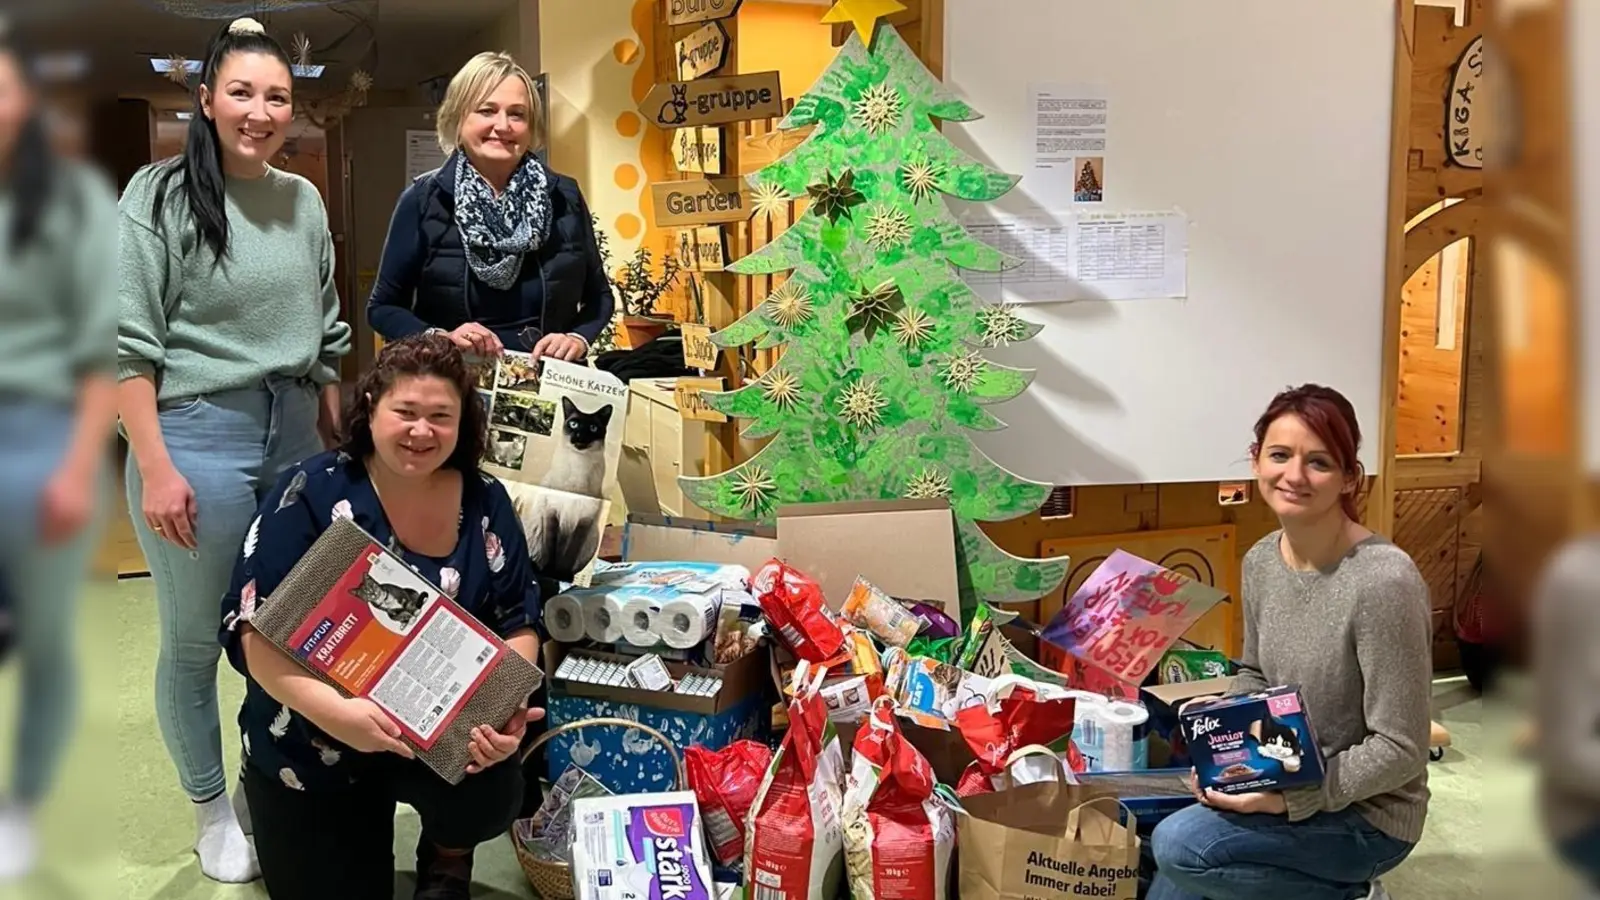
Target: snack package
856 658
940 649
1016 713
877 612
848 701
725 783
1183 665
1257 742
639 847
795 608
935 624
925 690
548 834
738 631
899 835
978 630
793 847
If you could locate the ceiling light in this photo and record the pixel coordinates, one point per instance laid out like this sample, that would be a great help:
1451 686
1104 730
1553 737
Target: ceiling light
61 66
308 71
183 115
164 66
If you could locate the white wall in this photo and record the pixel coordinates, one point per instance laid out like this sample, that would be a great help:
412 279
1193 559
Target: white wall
1584 53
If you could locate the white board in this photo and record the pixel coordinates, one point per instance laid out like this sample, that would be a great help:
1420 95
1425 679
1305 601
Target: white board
1276 147
1584 35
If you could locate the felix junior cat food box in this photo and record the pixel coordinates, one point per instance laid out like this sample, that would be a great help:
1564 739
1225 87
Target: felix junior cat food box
1254 742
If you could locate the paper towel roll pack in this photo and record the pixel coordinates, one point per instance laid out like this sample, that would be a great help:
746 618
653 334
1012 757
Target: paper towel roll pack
671 605
1113 735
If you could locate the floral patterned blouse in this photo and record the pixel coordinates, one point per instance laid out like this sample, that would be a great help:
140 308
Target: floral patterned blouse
488 574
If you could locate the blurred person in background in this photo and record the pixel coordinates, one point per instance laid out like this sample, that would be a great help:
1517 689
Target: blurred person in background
227 352
57 409
493 248
1566 619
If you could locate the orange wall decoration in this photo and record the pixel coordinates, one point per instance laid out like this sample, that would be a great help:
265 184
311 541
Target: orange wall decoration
787 37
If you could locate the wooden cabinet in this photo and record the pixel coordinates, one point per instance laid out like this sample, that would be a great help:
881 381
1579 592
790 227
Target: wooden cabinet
659 445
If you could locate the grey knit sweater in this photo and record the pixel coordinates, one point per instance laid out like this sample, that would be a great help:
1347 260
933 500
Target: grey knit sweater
1355 639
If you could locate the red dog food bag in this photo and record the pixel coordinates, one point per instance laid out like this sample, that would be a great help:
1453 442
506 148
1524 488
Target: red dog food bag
725 783
899 836
793 843
797 612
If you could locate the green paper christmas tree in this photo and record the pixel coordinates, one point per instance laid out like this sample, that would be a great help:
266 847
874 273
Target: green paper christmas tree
881 383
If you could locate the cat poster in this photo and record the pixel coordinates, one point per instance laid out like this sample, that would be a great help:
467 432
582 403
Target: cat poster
556 449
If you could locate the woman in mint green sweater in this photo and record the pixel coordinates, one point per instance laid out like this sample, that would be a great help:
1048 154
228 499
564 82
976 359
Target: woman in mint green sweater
227 353
57 403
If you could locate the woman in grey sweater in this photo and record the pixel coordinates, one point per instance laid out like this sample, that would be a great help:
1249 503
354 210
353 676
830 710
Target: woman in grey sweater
227 355
1342 614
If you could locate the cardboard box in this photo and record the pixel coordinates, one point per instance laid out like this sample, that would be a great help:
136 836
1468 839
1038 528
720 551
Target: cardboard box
1167 744
648 538
1256 742
629 761
907 548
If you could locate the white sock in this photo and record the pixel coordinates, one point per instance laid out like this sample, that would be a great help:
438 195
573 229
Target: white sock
19 847
225 854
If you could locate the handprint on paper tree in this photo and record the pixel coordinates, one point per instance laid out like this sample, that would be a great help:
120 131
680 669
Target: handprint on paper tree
882 382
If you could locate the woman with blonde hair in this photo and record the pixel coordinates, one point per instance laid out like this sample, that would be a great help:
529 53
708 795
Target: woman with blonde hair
493 248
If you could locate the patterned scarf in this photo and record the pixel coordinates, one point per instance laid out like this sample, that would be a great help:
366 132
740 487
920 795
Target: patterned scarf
497 231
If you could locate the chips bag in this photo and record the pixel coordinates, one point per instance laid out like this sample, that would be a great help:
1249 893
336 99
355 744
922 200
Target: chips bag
898 834
792 849
795 608
725 783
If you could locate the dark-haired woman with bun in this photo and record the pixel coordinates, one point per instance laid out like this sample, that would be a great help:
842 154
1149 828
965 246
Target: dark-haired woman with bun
324 772
227 353
1342 614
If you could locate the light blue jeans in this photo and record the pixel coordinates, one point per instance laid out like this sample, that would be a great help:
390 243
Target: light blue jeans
1204 854
43 585
231 447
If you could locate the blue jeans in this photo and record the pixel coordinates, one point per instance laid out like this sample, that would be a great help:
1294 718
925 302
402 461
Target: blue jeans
42 584
1204 854
231 447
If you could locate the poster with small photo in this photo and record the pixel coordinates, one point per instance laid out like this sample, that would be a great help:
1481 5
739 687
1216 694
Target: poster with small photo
518 372
483 370
487 399
1089 184
511 410
507 448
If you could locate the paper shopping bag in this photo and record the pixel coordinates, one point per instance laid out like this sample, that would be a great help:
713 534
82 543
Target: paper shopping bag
1048 840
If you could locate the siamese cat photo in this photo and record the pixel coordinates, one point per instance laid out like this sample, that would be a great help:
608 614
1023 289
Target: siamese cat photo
565 515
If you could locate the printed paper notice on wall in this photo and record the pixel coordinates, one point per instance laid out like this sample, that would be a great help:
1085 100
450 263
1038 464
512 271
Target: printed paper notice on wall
1069 129
422 154
1084 255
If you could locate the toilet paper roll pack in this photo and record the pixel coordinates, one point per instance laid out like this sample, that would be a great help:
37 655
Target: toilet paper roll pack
563 619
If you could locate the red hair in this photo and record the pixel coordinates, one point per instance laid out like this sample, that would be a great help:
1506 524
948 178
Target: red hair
1333 420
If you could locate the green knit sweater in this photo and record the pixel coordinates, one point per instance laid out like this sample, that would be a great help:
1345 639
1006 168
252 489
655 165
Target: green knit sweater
58 295
270 308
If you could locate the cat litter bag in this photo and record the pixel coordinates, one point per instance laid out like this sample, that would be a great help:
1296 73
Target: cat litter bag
725 783
639 847
359 618
792 849
899 835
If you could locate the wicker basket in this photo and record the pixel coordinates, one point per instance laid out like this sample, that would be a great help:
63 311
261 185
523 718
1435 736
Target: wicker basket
553 880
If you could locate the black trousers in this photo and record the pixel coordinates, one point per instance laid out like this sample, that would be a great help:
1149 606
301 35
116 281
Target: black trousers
339 844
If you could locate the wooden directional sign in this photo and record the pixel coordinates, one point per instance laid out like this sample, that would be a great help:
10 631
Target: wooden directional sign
698 149
698 351
699 202
713 101
691 405
702 52
703 249
688 12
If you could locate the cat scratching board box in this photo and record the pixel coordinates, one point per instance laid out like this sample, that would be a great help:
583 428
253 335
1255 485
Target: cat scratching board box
627 761
360 619
906 548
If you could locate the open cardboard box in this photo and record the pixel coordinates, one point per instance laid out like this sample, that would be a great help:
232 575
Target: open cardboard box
740 679
906 548
647 538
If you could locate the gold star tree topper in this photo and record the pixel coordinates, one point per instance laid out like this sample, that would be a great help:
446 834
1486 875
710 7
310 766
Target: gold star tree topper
863 14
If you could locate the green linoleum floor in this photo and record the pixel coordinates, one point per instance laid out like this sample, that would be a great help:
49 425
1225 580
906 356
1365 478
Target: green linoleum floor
119 827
